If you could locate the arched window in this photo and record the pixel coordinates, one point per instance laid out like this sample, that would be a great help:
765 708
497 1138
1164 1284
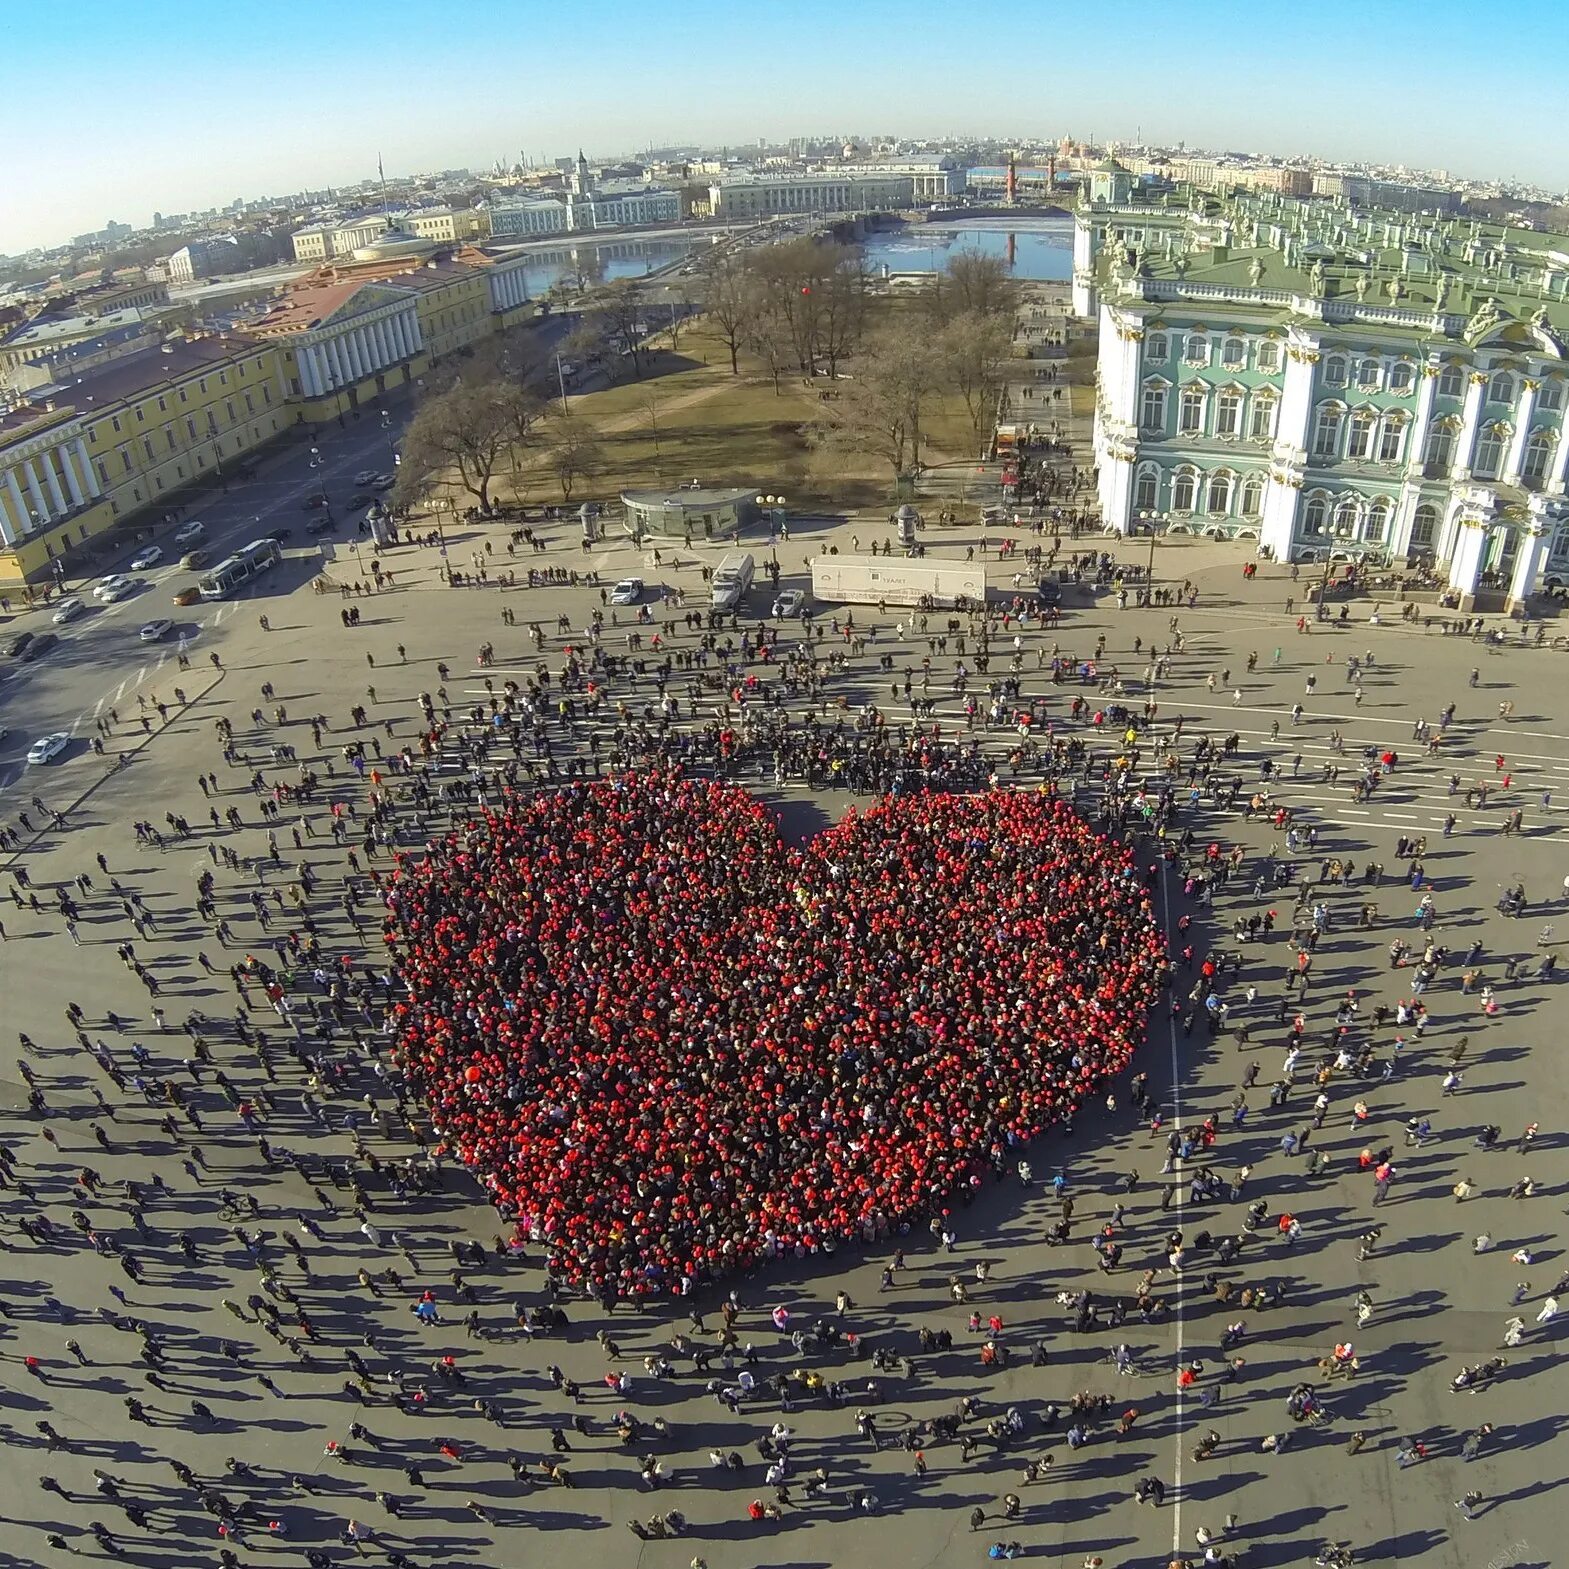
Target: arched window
1550 396
1501 389
1146 488
1192 413
1451 382
1228 412
1252 496
1424 527
1392 438
1439 449
1221 485
1261 418
1184 488
1326 431
1335 371
1156 347
1346 514
1153 414
1269 358
1315 515
1376 528
1538 453
1489 451
1402 374
1360 444
1196 350
1368 375
1234 354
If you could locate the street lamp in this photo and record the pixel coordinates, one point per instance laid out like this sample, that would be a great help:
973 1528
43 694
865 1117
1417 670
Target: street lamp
386 430
319 466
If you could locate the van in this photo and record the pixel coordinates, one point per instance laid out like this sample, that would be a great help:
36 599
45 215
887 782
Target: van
732 579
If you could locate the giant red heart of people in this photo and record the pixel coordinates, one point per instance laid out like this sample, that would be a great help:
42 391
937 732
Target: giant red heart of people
671 1046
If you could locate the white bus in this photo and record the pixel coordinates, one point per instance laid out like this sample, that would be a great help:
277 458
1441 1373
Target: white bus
249 561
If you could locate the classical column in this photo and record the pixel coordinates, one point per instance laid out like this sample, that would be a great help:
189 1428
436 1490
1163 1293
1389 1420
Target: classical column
1522 418
1528 562
19 507
1465 560
1470 417
11 526
52 480
36 490
89 473
1296 398
72 484
306 366
1427 384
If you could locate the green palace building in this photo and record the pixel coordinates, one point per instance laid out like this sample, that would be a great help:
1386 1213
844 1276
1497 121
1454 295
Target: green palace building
1336 382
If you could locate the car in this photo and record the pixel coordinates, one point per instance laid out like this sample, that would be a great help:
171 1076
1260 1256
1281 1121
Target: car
109 585
361 499
321 524
789 603
19 645
187 596
195 559
46 748
1048 592
365 477
113 593
627 592
150 557
380 482
191 532
67 610
278 535
156 631
40 645
315 503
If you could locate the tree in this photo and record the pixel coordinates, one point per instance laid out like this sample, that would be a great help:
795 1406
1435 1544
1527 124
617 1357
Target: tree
520 407
974 350
574 453
730 300
770 336
466 429
880 409
974 283
619 311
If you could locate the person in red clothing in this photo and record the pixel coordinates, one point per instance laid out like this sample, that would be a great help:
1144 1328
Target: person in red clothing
671 1049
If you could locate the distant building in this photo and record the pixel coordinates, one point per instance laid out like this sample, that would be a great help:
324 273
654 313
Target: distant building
204 259
524 220
761 196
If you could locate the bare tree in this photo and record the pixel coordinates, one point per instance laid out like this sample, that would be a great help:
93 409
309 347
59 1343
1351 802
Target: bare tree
574 453
730 301
465 429
621 309
975 283
771 337
973 352
880 410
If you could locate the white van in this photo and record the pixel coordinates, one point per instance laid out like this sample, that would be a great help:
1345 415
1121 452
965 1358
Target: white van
732 579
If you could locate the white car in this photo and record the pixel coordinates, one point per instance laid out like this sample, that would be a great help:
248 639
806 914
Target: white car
156 631
627 592
49 747
192 532
379 481
112 588
365 477
789 603
67 610
150 557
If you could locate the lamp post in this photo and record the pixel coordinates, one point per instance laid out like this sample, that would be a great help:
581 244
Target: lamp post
319 468
1149 520
386 430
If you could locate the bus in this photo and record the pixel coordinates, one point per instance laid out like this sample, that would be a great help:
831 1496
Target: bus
249 561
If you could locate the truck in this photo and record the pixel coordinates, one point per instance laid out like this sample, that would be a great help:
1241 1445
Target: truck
732 579
871 580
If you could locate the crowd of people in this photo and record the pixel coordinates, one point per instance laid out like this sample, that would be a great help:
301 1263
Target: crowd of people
671 1046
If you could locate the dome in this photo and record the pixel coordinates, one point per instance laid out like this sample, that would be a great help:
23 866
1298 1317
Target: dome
394 242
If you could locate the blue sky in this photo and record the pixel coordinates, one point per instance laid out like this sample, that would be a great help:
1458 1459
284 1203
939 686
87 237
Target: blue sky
115 111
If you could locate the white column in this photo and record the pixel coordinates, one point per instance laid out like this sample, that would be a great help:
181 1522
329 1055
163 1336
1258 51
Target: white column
1516 454
305 364
89 473
1465 560
400 331
1556 469
1427 383
40 506
361 346
411 328
1296 398
1528 561
390 353
321 367
378 341
334 377
52 480
351 354
1470 417
11 526
72 484
18 501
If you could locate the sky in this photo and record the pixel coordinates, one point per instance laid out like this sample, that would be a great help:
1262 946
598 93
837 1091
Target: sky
115 111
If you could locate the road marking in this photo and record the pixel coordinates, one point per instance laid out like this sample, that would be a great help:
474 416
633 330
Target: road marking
119 691
98 707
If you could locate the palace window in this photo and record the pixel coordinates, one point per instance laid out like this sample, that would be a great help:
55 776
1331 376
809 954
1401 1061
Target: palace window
1234 355
1451 382
1156 347
1402 374
1377 526
1146 488
1183 490
1335 371
1346 515
1153 416
1196 350
1252 496
1439 449
1315 515
1228 412
1326 432
1501 389
1391 439
1550 396
1424 528
1368 375
1489 451
1261 417
1363 423
1538 452
1221 485
1269 358
1192 416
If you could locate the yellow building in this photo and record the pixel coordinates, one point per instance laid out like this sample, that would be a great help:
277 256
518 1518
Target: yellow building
449 225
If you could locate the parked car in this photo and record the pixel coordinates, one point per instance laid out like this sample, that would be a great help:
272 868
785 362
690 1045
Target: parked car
789 603
49 747
190 533
41 644
195 559
627 592
361 499
322 523
148 557
67 610
381 482
19 645
365 477
279 534
156 631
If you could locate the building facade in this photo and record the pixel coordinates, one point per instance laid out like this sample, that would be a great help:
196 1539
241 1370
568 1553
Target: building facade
528 220
1335 383
757 196
203 259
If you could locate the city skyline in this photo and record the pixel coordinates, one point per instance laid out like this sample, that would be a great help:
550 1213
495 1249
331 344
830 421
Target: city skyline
213 136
